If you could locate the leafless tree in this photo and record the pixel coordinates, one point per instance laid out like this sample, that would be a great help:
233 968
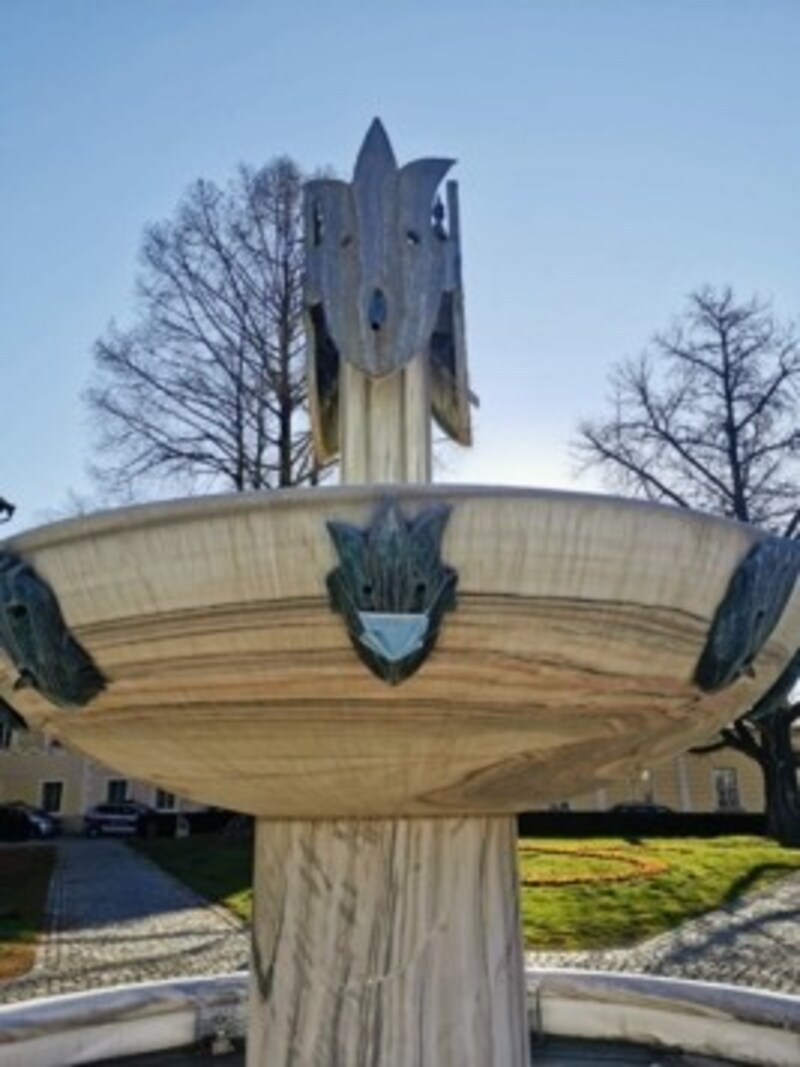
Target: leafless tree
207 388
709 417
765 735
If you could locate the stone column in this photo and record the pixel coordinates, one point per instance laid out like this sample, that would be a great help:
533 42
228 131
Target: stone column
387 943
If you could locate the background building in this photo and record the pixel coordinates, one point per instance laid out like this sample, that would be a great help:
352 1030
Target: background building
44 773
724 781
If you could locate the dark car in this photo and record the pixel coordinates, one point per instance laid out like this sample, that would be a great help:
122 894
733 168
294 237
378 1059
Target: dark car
22 822
128 817
641 808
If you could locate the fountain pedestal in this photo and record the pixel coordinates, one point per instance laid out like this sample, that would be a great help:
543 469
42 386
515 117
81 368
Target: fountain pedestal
387 942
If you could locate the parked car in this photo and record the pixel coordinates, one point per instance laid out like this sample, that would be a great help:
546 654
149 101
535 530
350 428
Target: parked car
129 817
20 821
641 808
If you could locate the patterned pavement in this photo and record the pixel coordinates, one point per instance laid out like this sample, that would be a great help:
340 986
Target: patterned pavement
115 917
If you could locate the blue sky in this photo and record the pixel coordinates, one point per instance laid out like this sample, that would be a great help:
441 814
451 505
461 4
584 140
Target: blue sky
613 155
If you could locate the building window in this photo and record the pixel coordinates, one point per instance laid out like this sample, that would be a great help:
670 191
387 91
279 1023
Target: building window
726 789
6 733
165 801
117 790
52 794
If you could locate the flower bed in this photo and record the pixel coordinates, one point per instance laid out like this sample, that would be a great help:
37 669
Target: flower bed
585 866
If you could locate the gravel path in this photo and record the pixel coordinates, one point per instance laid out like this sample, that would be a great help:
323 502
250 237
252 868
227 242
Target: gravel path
753 942
116 917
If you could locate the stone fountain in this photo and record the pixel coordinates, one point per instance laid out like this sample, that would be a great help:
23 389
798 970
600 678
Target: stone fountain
383 673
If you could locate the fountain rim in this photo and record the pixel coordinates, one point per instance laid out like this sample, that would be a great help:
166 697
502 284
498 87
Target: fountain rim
174 510
718 1014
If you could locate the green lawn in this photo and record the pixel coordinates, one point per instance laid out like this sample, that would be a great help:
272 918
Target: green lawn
591 894
611 893
24 878
219 868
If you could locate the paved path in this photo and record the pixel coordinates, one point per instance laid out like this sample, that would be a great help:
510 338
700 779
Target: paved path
116 917
753 942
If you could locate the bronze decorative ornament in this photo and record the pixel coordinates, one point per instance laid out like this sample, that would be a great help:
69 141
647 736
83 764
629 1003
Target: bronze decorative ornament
35 637
392 587
753 604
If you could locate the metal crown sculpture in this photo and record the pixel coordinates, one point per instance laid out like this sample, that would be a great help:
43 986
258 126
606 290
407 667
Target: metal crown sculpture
383 283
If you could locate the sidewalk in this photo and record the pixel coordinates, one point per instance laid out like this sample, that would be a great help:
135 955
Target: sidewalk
116 918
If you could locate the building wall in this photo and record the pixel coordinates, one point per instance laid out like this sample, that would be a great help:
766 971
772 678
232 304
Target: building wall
30 760
689 783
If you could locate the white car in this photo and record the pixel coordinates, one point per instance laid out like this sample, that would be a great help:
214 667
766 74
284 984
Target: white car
129 817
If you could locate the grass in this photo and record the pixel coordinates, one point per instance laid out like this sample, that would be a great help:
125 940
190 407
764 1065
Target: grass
594 894
614 893
24 879
219 868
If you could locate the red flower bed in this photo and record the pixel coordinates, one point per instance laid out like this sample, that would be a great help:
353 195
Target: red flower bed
634 866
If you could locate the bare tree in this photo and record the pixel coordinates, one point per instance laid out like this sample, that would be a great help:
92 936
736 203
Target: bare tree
709 417
765 735
207 388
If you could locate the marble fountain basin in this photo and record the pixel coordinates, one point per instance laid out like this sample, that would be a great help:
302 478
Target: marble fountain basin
568 661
